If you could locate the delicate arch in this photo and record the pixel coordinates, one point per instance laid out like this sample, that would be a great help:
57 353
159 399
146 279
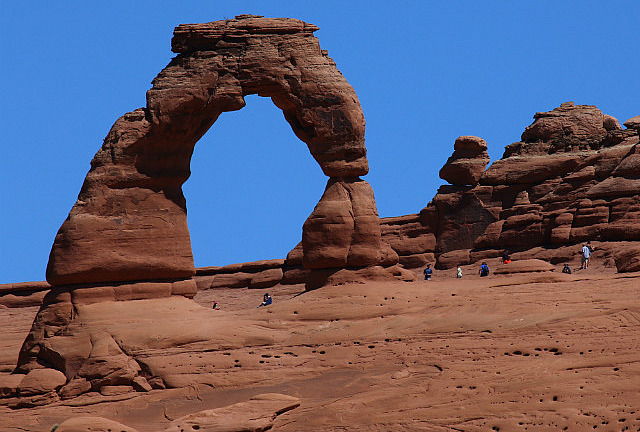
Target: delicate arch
129 222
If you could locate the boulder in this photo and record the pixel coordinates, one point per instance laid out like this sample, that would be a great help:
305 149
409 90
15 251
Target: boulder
524 266
74 388
417 260
232 280
628 259
294 275
633 123
266 278
40 381
467 163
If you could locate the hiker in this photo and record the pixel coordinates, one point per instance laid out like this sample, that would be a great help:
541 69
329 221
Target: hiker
215 305
506 259
458 273
586 254
566 269
266 300
484 270
428 272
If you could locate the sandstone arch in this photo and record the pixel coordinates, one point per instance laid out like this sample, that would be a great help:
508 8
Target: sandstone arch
129 222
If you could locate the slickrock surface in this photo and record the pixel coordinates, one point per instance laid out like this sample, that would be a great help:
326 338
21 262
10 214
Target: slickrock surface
129 222
526 351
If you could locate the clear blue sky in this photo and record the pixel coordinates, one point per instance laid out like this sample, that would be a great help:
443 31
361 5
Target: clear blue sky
426 72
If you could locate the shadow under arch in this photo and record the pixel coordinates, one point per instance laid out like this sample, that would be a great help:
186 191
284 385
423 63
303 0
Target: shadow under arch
129 222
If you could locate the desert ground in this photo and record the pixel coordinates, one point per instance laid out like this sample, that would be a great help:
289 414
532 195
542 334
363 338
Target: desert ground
536 351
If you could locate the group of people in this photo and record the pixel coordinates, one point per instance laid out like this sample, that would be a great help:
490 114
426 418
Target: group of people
585 257
484 271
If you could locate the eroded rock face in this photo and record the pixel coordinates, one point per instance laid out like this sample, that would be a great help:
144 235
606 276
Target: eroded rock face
344 229
575 176
129 222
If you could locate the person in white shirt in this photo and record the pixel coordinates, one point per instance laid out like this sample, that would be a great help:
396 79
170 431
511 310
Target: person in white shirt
586 254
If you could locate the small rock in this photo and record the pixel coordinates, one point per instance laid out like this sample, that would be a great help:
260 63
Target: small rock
115 390
157 383
140 384
74 388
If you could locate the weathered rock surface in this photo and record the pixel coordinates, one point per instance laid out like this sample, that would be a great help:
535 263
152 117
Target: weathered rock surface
628 259
255 415
633 122
524 266
129 222
92 424
466 165
344 229
574 177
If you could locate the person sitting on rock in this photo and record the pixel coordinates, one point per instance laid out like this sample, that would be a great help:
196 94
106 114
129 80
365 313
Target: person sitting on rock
484 269
458 273
506 259
566 269
428 272
266 300
215 305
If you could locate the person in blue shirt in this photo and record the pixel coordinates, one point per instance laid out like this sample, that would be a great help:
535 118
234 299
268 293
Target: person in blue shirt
428 272
266 300
484 269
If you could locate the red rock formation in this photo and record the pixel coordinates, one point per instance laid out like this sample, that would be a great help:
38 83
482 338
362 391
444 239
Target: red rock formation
466 165
126 237
575 176
129 223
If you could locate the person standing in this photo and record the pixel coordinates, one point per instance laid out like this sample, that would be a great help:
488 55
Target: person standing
458 273
586 254
428 272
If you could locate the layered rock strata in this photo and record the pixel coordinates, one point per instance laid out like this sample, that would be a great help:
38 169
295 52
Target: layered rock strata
573 177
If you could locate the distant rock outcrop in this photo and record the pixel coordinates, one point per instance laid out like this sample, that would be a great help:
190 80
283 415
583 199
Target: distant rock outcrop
574 177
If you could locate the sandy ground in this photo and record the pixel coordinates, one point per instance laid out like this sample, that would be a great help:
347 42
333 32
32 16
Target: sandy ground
535 352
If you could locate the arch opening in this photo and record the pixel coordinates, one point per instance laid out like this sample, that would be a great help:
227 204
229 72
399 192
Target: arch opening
252 186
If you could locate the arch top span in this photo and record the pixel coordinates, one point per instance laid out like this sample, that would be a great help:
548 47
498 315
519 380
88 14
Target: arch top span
220 62
129 222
